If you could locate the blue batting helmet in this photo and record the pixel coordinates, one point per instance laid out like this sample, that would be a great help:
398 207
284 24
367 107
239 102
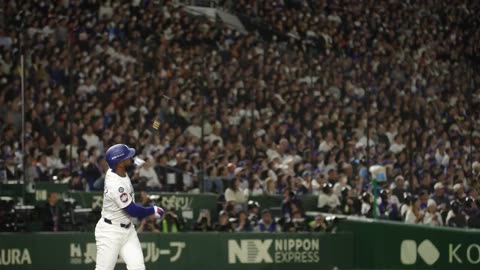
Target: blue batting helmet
117 153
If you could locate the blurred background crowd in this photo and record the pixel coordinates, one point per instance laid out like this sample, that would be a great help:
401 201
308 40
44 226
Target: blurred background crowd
301 104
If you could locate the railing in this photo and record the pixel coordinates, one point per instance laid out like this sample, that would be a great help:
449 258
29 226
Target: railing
200 3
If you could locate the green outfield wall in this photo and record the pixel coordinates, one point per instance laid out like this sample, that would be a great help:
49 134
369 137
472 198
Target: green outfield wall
183 251
390 245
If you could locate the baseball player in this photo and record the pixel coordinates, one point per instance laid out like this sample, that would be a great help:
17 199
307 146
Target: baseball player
114 233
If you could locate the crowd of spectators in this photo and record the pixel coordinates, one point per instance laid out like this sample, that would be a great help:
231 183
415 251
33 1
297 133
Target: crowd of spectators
355 83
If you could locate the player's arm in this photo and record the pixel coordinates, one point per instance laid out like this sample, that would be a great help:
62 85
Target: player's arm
138 211
125 201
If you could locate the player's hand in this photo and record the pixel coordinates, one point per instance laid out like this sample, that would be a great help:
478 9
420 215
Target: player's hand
159 212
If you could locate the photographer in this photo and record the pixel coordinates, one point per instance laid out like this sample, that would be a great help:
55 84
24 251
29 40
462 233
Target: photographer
223 224
148 224
471 209
204 222
290 203
52 217
319 224
296 223
456 217
253 208
327 200
348 202
8 216
388 208
171 222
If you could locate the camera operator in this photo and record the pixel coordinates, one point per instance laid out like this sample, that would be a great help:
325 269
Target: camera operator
327 200
204 222
408 199
366 208
348 201
52 217
223 224
319 224
290 203
456 217
296 223
171 222
253 208
471 209
8 216
388 207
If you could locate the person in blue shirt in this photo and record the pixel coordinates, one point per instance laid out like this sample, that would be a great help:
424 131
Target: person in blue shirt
267 223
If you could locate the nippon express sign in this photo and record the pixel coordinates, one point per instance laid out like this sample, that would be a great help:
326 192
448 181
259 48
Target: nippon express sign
253 251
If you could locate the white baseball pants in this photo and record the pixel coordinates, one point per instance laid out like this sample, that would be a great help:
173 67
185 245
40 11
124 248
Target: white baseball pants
113 240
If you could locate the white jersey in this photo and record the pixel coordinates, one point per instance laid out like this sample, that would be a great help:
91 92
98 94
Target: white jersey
118 194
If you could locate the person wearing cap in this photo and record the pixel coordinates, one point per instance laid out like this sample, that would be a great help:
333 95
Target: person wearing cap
439 196
432 216
408 200
399 188
267 223
253 211
327 200
338 186
456 217
366 205
223 224
459 192
319 224
296 223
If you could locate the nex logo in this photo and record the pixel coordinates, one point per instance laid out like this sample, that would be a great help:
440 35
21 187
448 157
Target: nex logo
249 251
427 251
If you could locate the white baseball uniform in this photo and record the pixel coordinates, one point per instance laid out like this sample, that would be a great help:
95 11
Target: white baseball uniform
115 233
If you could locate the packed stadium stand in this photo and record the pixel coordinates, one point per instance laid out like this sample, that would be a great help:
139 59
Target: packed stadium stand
244 99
